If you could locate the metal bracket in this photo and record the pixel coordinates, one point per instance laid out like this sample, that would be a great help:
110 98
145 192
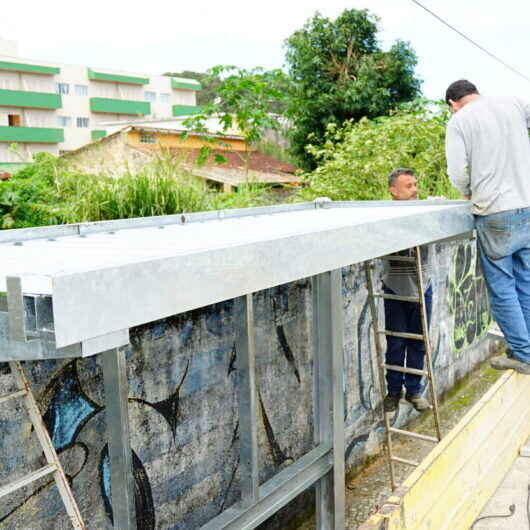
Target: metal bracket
15 310
27 329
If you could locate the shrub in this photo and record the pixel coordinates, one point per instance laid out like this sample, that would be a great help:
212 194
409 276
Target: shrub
355 161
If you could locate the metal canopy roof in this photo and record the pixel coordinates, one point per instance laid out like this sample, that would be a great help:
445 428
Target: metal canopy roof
110 276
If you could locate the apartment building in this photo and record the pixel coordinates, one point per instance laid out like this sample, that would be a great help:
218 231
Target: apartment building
45 106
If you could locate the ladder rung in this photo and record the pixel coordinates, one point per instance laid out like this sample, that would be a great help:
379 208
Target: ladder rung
404 369
403 335
415 435
410 259
28 479
13 395
398 297
404 461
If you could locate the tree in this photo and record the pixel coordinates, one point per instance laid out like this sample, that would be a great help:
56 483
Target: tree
243 104
339 72
355 160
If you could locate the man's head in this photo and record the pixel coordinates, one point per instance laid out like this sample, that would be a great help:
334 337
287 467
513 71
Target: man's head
460 93
402 184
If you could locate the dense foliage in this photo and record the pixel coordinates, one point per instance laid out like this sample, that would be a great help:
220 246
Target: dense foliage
50 191
243 101
355 160
242 107
339 72
354 163
214 85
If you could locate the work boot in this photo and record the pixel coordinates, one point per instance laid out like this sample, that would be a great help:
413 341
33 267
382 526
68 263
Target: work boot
503 362
391 402
418 402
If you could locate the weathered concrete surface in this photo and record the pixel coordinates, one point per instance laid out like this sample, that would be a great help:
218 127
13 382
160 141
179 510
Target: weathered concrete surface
183 401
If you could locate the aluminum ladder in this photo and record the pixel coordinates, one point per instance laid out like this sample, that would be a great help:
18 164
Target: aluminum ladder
53 464
415 258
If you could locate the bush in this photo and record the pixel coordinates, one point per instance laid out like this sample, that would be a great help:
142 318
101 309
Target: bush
30 198
355 161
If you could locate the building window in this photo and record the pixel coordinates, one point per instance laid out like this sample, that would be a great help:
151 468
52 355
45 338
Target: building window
81 90
13 120
82 122
62 88
64 121
165 98
147 138
149 96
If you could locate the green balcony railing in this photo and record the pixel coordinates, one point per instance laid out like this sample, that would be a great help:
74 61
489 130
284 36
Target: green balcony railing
35 100
96 134
184 110
29 68
37 135
120 106
175 83
117 78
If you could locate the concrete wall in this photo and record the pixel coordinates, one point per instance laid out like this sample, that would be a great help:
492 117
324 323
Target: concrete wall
111 156
183 404
174 140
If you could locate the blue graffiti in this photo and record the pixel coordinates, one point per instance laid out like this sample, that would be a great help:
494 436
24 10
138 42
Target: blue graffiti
69 408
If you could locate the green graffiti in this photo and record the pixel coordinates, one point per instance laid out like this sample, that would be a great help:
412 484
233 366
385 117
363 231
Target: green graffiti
468 298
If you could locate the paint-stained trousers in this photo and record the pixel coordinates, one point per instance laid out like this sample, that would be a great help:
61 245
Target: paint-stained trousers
405 317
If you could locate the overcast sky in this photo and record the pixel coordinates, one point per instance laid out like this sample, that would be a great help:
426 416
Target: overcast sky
157 36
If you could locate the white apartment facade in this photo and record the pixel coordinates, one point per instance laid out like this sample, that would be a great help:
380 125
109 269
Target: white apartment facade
56 108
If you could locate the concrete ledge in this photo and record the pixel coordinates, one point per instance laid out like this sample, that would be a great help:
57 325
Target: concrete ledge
450 487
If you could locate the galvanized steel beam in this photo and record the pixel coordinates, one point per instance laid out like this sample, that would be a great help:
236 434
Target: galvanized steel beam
248 429
276 492
328 395
235 269
117 418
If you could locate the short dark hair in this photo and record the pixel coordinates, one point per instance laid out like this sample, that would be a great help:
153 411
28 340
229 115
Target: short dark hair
459 89
397 173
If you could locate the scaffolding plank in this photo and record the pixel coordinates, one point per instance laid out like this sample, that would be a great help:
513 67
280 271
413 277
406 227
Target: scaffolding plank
450 487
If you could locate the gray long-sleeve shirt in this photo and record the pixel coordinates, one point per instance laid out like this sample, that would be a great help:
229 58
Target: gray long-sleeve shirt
488 153
402 277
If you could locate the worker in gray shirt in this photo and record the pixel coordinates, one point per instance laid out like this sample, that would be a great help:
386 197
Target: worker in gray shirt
488 160
400 278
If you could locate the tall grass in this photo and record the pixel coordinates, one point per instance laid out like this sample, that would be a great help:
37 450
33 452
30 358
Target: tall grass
141 194
51 191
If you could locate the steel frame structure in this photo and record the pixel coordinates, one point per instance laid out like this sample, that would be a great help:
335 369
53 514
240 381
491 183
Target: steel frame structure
58 305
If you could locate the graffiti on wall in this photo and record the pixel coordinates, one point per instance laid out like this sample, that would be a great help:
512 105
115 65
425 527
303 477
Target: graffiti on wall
467 298
183 397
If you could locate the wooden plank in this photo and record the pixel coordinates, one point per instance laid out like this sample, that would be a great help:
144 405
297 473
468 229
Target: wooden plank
452 484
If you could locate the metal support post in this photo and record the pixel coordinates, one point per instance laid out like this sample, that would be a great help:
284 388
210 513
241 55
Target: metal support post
329 395
248 431
117 417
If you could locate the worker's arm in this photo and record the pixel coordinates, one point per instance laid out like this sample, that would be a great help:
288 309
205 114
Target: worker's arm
457 161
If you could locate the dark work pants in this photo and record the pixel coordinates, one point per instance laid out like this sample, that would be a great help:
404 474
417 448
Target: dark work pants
405 317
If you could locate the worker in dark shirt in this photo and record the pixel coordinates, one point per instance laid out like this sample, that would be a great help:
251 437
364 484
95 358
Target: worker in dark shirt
401 278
